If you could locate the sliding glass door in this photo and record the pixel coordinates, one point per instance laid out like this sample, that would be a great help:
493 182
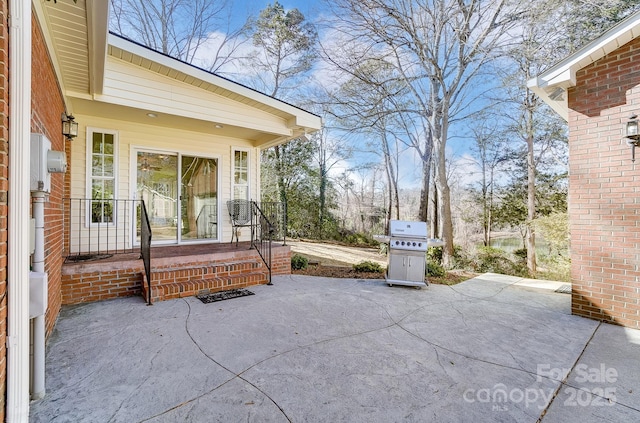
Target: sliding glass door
158 187
199 199
181 195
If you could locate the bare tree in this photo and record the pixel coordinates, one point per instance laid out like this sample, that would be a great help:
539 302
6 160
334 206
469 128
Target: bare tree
492 149
363 106
179 28
437 48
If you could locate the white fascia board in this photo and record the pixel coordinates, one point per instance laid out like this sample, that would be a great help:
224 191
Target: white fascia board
203 75
98 29
563 74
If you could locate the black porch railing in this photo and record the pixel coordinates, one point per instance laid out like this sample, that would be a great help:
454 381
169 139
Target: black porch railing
276 213
262 235
145 246
100 228
95 229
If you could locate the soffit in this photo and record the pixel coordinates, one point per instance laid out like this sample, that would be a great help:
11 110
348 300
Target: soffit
66 32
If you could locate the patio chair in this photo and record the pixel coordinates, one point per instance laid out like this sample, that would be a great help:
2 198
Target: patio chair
240 214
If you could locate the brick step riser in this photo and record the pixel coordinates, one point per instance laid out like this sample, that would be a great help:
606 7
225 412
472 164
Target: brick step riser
178 274
189 288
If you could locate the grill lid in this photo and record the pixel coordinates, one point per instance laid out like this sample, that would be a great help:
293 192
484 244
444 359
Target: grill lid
408 229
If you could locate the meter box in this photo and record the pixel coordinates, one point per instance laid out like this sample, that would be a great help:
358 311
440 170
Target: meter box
44 162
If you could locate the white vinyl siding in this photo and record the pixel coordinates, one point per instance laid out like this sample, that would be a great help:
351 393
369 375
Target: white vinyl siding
129 85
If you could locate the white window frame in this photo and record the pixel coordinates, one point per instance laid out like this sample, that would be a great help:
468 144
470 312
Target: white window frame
233 171
89 173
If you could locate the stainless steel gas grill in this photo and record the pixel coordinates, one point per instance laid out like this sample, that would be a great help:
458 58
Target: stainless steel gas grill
408 242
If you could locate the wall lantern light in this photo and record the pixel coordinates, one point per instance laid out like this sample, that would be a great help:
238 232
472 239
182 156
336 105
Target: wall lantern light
632 133
69 126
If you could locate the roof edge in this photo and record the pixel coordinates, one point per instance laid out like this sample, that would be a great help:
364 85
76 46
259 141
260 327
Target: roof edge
551 85
141 50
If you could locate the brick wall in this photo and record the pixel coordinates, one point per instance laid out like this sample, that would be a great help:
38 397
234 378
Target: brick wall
4 186
46 111
604 194
84 287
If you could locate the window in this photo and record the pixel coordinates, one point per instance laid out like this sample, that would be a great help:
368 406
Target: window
240 175
101 147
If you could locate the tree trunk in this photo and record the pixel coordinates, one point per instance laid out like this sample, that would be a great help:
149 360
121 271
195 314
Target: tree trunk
531 192
282 189
444 203
423 213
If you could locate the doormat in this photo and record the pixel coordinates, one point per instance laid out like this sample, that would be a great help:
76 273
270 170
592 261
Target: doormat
564 289
224 295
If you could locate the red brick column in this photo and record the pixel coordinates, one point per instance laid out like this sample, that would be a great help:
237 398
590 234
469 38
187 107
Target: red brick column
604 190
46 111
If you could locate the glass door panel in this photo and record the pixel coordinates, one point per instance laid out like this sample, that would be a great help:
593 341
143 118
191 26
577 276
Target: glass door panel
157 185
199 198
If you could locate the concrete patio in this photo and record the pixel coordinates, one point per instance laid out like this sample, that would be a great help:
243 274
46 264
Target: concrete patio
493 348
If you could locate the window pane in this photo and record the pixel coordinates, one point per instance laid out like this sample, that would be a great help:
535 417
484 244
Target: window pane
108 185
97 142
241 178
97 189
240 193
108 144
108 166
97 165
241 159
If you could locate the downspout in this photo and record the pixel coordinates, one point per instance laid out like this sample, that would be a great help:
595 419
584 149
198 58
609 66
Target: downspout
17 405
39 336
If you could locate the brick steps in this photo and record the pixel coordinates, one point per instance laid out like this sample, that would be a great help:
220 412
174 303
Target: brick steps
177 272
191 279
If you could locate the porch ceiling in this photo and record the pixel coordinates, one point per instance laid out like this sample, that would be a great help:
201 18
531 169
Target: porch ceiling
76 37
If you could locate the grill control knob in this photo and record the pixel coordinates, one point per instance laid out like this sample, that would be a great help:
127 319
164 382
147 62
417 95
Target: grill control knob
414 244
402 242
419 244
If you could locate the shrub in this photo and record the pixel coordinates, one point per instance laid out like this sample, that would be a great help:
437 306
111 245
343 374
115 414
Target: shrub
299 262
368 266
490 259
355 238
460 259
521 254
435 254
434 269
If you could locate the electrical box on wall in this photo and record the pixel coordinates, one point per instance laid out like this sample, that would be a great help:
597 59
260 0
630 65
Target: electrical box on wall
38 291
44 162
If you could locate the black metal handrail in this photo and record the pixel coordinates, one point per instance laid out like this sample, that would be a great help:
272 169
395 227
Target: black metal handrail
145 246
276 212
262 236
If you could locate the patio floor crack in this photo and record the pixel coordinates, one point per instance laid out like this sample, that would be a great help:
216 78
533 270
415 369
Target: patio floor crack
235 376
